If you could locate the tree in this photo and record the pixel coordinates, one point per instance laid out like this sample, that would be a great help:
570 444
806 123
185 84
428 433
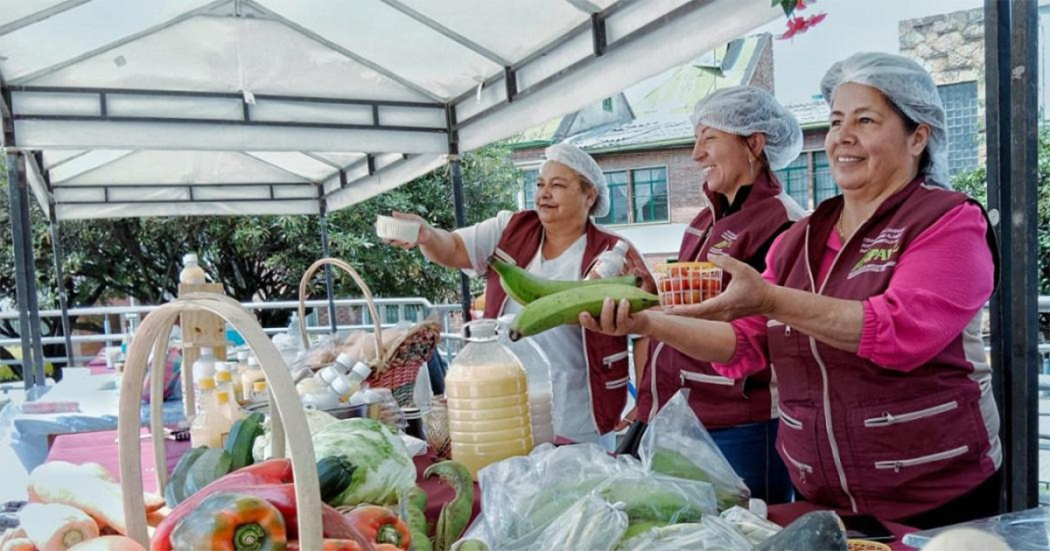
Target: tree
974 183
255 258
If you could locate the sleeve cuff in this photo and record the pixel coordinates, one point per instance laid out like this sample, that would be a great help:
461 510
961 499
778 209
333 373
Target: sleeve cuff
869 331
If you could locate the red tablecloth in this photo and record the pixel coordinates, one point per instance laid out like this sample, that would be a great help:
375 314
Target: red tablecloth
101 447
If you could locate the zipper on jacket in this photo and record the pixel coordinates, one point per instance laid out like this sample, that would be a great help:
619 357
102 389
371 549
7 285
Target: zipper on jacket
618 383
940 456
590 395
704 378
887 418
803 469
609 360
789 420
828 425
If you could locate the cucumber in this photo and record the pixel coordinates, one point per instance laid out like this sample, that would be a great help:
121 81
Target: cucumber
211 465
241 439
175 491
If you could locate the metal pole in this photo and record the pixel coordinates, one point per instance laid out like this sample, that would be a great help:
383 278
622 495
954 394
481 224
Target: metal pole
56 249
997 90
457 195
25 282
328 268
1019 219
461 220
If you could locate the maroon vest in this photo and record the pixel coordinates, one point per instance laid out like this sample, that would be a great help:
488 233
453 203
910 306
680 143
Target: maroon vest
858 436
744 234
607 357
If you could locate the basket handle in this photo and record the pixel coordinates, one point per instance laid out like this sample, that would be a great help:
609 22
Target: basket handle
303 293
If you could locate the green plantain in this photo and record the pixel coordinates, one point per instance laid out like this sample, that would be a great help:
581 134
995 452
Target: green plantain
564 307
524 287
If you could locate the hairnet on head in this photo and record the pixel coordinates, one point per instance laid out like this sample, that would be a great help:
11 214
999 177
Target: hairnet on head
584 165
908 86
746 110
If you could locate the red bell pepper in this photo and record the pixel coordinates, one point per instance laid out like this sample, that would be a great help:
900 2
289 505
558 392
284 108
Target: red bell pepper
281 496
380 525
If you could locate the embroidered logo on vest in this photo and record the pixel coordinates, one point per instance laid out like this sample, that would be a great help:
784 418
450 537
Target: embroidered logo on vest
728 237
878 254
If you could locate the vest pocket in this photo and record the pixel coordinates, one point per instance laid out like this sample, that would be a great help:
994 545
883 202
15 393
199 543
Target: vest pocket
617 383
899 464
789 421
696 377
801 468
887 418
608 361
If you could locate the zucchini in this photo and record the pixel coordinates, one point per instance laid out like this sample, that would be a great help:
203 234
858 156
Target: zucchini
241 439
175 491
211 465
334 475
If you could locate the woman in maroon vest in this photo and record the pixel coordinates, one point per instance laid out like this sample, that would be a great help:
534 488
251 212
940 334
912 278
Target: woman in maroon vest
742 135
556 240
869 313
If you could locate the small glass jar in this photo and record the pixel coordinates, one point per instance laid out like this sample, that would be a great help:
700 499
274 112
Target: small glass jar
435 423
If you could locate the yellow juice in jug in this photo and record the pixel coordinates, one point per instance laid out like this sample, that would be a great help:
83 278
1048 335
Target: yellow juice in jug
487 402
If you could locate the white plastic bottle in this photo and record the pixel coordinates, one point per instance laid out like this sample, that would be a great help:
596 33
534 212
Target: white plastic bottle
252 373
538 372
334 388
203 368
229 408
224 380
192 273
611 262
210 423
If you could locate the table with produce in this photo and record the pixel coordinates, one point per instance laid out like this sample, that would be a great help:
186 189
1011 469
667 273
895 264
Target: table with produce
381 446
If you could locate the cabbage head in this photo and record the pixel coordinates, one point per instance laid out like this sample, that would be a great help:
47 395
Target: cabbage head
383 464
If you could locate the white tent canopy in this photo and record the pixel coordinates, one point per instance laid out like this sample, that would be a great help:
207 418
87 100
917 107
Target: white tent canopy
203 107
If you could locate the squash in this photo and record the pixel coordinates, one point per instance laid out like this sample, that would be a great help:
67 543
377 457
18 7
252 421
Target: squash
210 466
175 491
816 530
241 439
335 475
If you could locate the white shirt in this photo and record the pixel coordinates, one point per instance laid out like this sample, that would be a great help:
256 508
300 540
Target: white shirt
573 416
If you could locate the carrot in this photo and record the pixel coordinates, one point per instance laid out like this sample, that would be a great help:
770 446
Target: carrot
53 526
109 543
83 487
19 544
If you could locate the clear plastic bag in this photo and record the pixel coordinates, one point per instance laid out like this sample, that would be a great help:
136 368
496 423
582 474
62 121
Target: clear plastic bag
521 496
710 534
756 529
322 352
650 497
678 445
591 523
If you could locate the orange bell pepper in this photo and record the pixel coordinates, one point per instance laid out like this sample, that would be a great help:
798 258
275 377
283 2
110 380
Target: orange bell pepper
381 525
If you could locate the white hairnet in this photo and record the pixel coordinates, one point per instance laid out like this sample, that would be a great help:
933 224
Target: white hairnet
584 165
908 86
745 110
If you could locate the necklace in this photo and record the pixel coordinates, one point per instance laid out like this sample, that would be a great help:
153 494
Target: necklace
838 226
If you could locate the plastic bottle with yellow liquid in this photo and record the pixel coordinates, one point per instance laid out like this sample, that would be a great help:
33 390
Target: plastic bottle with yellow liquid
488 401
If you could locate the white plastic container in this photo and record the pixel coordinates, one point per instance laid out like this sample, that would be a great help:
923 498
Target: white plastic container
253 373
610 263
210 425
538 370
191 273
203 368
333 388
388 227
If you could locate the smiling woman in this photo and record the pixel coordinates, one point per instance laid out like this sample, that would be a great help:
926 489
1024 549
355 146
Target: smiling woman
884 389
556 240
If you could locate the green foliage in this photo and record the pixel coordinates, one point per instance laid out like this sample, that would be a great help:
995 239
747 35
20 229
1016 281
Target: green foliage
257 258
974 183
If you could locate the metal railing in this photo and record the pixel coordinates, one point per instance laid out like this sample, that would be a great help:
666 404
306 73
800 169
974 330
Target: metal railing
392 310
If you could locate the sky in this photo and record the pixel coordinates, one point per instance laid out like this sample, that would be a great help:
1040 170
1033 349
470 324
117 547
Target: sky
851 26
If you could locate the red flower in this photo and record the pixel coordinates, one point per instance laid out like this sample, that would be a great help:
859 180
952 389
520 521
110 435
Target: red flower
800 5
798 25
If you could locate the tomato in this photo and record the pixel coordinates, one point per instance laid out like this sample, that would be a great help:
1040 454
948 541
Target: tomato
665 285
693 297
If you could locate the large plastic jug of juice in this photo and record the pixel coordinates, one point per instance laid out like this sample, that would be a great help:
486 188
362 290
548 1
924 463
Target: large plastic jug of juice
488 401
538 371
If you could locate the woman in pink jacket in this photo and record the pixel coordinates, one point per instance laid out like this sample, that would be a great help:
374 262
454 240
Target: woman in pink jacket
869 313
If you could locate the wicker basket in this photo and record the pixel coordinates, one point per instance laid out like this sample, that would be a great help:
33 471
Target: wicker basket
284 404
395 368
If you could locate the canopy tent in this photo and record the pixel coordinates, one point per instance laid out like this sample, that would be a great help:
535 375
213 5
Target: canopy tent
252 107
204 107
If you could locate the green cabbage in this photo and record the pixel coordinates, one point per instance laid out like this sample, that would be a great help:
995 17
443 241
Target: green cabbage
315 419
383 465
